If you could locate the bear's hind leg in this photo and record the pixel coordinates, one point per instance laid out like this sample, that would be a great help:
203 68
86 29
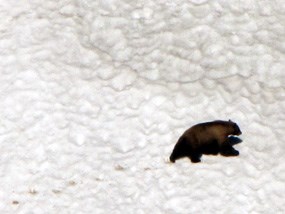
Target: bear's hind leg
180 150
195 157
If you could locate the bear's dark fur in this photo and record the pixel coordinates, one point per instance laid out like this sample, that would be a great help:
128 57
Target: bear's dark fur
206 138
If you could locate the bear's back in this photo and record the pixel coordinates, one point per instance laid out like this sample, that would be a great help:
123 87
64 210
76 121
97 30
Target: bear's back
207 132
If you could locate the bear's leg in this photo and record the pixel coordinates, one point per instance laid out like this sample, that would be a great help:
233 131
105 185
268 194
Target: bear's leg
195 157
227 150
180 150
210 148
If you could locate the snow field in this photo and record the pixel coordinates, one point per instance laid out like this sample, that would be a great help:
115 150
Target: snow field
94 95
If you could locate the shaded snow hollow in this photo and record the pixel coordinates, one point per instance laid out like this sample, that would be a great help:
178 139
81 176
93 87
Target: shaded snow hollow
94 95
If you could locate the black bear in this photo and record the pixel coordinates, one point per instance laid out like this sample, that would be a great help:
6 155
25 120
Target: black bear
206 138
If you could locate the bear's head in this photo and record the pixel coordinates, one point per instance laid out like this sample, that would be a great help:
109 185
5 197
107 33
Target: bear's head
236 129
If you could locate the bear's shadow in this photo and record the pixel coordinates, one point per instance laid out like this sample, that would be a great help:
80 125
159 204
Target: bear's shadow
234 140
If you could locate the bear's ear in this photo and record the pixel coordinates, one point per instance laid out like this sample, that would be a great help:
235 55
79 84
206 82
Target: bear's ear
230 120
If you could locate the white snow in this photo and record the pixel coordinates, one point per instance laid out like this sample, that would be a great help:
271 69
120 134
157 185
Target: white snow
95 94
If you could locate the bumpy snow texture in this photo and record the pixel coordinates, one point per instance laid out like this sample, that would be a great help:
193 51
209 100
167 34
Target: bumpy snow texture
95 94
